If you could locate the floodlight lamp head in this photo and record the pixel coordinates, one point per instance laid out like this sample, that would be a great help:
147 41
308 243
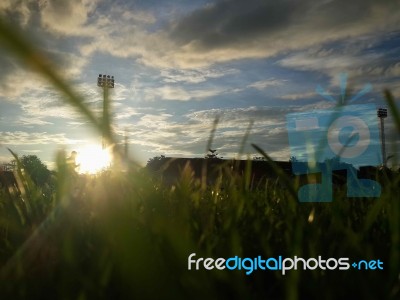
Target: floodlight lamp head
382 113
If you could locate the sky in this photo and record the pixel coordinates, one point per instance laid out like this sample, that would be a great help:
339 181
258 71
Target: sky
179 64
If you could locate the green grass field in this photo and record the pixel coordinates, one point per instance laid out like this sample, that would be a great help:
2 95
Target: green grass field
123 235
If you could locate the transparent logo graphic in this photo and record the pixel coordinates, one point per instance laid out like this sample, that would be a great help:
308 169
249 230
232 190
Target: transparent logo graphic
345 137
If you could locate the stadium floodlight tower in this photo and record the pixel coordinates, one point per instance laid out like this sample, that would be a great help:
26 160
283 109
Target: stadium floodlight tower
105 82
382 114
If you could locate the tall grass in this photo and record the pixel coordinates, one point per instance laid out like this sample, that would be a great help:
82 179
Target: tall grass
126 235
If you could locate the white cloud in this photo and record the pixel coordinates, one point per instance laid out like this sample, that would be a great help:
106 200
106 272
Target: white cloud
172 93
67 17
299 96
126 113
333 63
47 106
141 17
169 92
263 84
32 121
34 138
194 75
155 121
17 82
32 151
360 66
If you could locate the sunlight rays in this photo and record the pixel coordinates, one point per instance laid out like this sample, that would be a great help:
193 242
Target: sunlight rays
93 159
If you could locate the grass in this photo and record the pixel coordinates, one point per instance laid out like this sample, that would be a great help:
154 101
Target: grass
126 235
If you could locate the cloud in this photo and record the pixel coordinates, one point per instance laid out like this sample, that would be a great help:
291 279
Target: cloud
240 115
46 104
122 32
229 23
219 32
187 55
299 96
361 65
393 70
169 92
160 133
126 113
268 129
14 82
16 79
396 92
332 64
34 138
66 17
263 84
154 121
69 64
228 30
194 75
32 121
18 12
32 150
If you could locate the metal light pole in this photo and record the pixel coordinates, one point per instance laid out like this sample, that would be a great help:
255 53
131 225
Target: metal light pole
382 114
106 82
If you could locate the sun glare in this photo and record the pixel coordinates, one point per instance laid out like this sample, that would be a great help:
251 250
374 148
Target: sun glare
93 159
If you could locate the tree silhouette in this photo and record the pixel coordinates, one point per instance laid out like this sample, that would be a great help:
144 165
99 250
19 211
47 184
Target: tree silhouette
36 169
212 154
156 162
259 158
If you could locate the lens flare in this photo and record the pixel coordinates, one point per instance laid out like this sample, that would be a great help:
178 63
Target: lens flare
93 159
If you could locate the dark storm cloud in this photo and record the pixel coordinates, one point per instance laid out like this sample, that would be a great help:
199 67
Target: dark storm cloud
234 22
227 22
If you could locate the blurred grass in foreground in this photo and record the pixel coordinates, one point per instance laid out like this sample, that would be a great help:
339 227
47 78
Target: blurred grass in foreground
125 235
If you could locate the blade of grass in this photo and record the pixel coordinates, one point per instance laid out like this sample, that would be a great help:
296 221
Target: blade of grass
244 140
209 144
278 171
392 105
212 133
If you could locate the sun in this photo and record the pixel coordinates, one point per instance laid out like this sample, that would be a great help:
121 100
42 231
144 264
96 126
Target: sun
93 159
